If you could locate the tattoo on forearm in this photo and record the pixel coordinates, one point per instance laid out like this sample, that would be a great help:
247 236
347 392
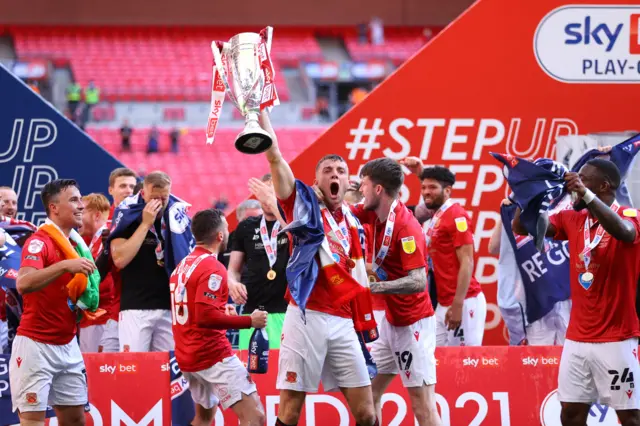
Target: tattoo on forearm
414 282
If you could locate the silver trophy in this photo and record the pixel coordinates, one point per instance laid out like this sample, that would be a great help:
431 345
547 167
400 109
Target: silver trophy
248 84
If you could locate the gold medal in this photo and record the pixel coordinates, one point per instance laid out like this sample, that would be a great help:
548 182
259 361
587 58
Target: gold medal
271 275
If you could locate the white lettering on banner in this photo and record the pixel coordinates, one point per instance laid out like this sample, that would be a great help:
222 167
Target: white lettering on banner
118 416
271 403
535 268
310 402
490 132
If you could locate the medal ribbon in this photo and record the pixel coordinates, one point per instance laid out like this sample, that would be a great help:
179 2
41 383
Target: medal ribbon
270 245
590 245
97 238
160 240
443 208
386 239
218 86
183 277
341 231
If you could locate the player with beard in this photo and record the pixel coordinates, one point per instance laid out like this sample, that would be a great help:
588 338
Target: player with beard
145 316
46 366
599 359
9 206
326 346
200 319
462 307
407 332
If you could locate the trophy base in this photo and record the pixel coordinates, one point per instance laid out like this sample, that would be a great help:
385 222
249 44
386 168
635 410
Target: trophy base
253 141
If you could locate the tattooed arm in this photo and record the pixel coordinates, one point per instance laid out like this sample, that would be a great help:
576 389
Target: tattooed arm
414 282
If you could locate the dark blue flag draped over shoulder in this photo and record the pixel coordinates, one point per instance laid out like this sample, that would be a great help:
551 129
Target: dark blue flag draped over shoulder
536 187
307 229
11 252
622 155
176 228
545 276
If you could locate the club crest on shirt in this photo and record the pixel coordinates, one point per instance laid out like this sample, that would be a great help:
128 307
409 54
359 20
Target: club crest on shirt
461 224
409 244
214 282
630 213
35 246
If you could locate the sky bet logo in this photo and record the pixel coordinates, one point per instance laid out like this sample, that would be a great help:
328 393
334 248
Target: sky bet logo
590 44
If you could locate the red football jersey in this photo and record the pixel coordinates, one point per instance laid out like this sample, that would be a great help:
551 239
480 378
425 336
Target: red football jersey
452 230
406 252
114 309
46 316
606 310
319 300
107 290
198 348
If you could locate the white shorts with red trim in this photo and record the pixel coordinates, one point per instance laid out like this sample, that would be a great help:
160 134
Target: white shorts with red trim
471 330
100 338
600 372
41 374
224 383
408 350
325 349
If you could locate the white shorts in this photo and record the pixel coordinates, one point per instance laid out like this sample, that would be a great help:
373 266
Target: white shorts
41 374
552 328
379 316
325 348
225 382
4 338
100 338
145 331
408 350
600 372
471 331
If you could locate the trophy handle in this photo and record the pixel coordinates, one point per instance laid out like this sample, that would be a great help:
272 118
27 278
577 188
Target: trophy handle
217 59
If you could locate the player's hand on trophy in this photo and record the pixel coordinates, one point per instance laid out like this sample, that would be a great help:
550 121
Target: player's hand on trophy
414 164
238 292
259 319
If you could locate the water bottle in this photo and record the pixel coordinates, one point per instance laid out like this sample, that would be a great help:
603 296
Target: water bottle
259 350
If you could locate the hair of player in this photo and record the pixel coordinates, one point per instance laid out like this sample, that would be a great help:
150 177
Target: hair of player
52 190
609 171
441 174
6 188
386 172
97 202
138 187
329 157
121 172
206 224
158 179
247 205
266 178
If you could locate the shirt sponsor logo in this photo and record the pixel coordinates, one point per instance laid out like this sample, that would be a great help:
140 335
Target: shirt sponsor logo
210 295
35 246
31 398
214 282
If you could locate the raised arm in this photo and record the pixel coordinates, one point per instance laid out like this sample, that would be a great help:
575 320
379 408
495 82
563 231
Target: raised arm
123 250
283 179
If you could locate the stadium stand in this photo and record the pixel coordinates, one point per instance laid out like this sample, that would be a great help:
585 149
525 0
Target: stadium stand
218 168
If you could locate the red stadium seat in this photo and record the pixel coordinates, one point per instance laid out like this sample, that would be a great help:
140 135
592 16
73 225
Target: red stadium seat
151 64
216 169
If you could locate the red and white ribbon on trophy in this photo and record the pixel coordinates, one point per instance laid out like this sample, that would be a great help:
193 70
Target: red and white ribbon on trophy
220 83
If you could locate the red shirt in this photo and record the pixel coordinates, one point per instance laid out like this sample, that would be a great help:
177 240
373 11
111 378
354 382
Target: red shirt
452 230
199 348
46 316
114 311
108 301
319 300
3 310
407 250
606 311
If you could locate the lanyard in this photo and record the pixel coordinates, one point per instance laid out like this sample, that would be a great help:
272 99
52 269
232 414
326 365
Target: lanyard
270 245
97 238
160 240
590 245
183 277
386 239
443 208
341 231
